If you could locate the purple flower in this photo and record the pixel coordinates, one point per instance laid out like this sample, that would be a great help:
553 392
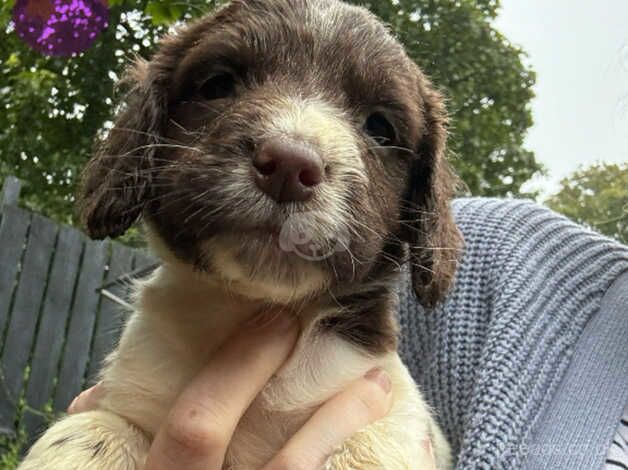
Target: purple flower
60 27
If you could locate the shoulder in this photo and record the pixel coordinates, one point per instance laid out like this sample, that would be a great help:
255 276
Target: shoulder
511 226
478 213
518 246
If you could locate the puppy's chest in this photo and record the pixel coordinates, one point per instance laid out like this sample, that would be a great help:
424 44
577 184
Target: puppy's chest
155 361
321 366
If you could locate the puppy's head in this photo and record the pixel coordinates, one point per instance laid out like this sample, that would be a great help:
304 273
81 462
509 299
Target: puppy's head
285 146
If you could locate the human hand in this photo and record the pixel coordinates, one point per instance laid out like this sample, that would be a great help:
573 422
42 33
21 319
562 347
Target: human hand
199 427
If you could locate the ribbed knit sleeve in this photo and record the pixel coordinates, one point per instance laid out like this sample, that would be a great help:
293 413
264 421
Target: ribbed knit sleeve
489 359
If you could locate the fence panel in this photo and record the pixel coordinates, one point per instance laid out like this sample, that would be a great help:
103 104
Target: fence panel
56 327
24 314
51 332
13 229
82 320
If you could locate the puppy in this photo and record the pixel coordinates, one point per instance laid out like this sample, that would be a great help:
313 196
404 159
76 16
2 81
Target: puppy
282 153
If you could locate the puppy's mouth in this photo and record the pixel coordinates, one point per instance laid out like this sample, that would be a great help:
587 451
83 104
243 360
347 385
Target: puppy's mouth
310 235
271 262
289 242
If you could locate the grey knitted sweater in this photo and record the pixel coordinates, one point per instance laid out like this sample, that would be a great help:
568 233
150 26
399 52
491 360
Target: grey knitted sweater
503 360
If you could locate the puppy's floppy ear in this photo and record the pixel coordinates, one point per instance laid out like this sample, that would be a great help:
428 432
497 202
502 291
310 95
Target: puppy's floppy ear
434 239
115 184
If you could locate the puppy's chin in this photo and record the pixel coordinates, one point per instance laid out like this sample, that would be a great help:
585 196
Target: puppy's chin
254 266
257 267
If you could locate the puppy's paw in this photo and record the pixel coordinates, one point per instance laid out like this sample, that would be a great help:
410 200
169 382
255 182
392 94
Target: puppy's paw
94 440
373 449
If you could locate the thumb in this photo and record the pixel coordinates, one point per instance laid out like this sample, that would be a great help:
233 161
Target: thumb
88 399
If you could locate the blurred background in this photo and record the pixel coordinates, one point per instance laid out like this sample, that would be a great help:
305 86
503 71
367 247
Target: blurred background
537 92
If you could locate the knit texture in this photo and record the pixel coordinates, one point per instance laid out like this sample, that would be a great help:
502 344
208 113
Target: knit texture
574 431
490 358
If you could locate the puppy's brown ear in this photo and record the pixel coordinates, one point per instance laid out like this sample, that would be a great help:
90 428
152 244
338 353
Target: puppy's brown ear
434 239
115 184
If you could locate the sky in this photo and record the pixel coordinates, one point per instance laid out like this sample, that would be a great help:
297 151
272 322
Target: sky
579 50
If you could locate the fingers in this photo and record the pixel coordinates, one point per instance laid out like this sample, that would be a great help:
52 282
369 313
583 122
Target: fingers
87 400
198 429
366 400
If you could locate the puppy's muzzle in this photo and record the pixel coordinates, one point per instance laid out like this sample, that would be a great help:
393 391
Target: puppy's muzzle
288 170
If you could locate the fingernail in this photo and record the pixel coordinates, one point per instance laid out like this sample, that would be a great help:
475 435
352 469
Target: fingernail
380 377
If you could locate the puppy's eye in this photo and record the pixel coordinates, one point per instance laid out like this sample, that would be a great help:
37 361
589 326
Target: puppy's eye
380 129
218 86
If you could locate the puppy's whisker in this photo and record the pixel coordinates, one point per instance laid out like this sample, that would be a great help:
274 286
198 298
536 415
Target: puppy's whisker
391 147
196 212
128 156
422 267
135 131
376 234
204 105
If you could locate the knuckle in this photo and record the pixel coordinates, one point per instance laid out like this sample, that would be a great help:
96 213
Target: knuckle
189 432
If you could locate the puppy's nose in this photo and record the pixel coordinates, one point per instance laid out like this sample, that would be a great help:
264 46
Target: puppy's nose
288 170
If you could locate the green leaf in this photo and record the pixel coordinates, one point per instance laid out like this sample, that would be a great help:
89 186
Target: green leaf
596 196
159 12
165 12
13 60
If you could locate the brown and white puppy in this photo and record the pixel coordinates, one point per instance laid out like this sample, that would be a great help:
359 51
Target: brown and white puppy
280 152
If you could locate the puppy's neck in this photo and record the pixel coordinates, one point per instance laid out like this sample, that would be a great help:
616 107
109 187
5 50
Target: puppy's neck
195 303
200 304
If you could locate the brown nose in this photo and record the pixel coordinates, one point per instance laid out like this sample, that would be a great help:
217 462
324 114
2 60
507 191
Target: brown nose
287 170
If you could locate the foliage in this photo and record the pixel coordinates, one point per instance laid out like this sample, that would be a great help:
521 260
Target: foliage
14 445
488 87
53 107
10 448
596 196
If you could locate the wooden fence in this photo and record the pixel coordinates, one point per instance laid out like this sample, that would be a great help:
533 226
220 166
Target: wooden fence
56 326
